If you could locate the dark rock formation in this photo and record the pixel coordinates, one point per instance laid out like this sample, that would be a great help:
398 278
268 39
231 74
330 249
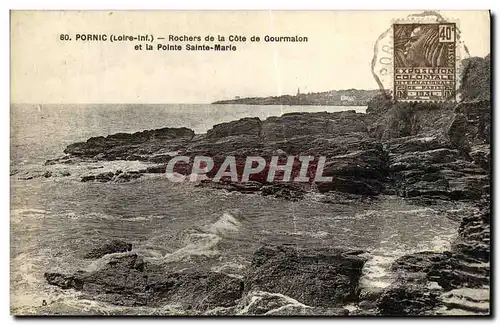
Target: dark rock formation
248 125
298 282
64 281
118 176
292 125
238 145
481 156
471 124
246 187
432 150
397 120
474 236
197 290
428 166
405 298
110 247
322 277
450 270
159 169
357 163
288 191
135 146
127 280
104 177
435 150
126 176
88 178
476 79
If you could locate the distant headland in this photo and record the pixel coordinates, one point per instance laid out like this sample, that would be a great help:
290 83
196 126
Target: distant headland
348 97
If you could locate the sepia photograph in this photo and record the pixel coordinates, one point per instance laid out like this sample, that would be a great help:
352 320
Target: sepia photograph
250 163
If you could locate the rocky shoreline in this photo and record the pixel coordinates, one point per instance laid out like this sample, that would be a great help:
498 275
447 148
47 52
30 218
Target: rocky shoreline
421 151
302 280
412 150
448 282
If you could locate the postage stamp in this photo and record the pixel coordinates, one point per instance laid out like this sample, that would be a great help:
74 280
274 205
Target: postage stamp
424 61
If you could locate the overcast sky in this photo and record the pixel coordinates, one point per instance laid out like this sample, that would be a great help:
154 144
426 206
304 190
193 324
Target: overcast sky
45 69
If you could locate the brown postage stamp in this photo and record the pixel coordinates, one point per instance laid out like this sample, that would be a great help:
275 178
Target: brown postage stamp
424 62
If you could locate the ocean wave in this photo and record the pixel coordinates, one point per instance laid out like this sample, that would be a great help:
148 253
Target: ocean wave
29 211
104 260
91 215
413 211
75 171
105 216
77 304
147 218
227 223
203 241
232 268
358 216
310 234
28 286
377 274
255 297
19 216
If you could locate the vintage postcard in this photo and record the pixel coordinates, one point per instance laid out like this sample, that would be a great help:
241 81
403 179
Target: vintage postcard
271 163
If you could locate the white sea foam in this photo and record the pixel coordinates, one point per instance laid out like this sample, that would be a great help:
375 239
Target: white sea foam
359 216
104 260
147 218
413 211
231 268
311 234
30 287
21 216
426 139
74 172
376 271
200 244
225 224
105 216
204 240
25 211
92 215
255 296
